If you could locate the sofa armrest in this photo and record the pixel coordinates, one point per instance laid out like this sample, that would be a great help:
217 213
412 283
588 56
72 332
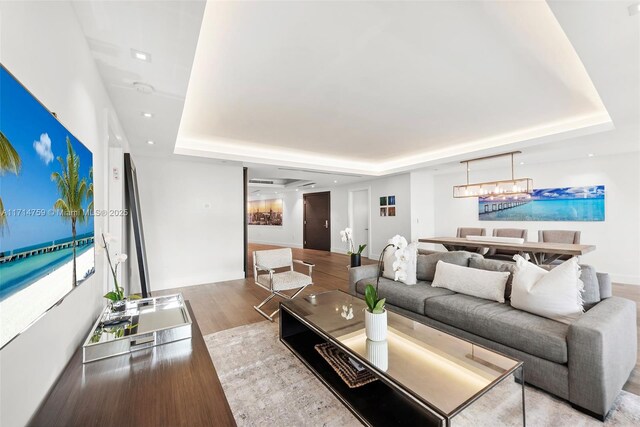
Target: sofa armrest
602 348
358 273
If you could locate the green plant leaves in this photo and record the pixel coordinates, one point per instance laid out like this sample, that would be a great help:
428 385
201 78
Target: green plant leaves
379 307
370 296
361 248
112 296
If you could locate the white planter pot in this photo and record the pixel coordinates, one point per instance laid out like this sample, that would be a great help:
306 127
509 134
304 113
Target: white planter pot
378 354
375 325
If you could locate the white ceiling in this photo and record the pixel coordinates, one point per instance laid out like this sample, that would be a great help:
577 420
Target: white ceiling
168 30
369 88
378 87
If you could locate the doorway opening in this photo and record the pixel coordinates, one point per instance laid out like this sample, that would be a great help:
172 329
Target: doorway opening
316 219
360 218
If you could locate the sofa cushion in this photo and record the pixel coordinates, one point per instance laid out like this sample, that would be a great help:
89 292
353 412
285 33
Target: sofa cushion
409 297
555 294
538 336
426 268
469 281
494 265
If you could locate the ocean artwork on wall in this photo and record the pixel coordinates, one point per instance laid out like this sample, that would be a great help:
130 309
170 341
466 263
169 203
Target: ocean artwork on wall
546 204
46 209
265 212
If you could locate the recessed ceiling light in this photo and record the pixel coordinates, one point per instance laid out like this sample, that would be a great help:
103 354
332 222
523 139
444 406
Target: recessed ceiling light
141 56
297 189
522 163
335 181
118 137
143 88
150 142
276 192
147 115
590 154
634 9
313 186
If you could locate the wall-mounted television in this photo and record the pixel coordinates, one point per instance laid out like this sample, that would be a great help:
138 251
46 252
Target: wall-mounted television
46 209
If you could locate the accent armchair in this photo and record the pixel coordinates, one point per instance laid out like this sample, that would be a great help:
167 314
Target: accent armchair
267 262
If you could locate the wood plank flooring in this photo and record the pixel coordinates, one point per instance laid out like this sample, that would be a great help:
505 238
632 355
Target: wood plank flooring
225 305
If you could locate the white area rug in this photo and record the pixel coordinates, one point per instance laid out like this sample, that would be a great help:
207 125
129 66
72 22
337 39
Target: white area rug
266 384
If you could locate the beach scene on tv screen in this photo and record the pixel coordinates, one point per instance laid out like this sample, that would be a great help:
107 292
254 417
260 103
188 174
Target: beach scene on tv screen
46 203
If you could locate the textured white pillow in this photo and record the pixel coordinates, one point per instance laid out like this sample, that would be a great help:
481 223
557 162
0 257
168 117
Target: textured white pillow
407 261
471 281
555 294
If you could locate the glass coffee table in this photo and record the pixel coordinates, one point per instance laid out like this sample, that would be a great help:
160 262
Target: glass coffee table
425 376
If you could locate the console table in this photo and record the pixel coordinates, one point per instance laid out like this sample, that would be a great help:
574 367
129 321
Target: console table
172 384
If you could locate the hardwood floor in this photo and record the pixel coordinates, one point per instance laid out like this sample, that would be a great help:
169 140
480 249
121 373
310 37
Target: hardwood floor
225 305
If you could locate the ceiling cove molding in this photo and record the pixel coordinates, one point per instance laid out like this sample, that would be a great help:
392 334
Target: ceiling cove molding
276 156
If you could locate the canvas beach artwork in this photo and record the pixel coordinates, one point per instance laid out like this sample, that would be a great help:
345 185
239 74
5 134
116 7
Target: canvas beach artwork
46 202
546 204
265 212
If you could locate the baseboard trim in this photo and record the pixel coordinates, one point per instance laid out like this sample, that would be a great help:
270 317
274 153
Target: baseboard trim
272 243
623 279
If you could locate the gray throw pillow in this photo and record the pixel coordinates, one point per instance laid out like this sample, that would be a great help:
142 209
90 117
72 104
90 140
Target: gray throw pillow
495 265
426 268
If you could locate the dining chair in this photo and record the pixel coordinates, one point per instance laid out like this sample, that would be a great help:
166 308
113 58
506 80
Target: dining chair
505 254
269 262
463 232
559 236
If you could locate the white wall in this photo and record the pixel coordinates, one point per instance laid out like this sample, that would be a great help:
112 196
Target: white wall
382 228
192 216
42 44
617 239
422 204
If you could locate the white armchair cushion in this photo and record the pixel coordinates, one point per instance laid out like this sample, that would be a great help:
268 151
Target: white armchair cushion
273 258
285 280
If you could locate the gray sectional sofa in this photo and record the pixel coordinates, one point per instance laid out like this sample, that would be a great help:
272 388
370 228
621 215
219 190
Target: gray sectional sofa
586 362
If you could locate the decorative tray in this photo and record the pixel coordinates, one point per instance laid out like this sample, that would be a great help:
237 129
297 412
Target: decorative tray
143 323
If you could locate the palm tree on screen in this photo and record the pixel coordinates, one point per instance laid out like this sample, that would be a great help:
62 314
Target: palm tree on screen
90 191
9 161
73 192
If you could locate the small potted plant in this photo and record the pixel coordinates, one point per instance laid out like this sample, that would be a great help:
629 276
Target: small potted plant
117 297
356 256
375 315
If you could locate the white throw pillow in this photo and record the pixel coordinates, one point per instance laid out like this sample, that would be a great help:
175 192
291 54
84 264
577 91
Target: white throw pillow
400 264
555 294
471 281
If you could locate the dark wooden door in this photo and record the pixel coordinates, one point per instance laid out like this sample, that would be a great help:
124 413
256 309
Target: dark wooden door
317 221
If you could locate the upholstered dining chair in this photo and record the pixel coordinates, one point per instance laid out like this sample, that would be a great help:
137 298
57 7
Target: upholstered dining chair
268 262
559 236
504 254
463 232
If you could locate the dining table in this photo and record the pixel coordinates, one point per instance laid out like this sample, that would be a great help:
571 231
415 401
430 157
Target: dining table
539 252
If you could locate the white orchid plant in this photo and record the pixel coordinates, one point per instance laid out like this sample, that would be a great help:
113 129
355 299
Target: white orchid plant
114 262
347 236
400 266
401 257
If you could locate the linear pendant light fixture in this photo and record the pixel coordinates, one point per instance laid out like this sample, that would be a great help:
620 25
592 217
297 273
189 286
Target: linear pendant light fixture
510 187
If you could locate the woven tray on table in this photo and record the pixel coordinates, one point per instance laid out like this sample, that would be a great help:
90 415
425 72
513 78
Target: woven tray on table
340 363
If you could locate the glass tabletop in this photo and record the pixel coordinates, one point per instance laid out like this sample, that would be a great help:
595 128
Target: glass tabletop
439 369
139 317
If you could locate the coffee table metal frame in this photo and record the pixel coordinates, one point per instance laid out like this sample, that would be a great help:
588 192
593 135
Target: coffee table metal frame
293 325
